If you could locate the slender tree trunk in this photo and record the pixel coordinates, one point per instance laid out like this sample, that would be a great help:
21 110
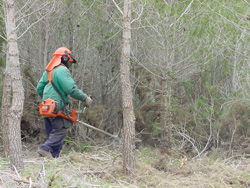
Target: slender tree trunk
169 121
128 111
45 49
166 116
236 60
163 114
104 53
16 110
6 107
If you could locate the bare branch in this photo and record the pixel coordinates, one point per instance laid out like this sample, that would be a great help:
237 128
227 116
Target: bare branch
3 37
247 3
139 15
117 7
27 29
188 7
226 19
33 12
82 14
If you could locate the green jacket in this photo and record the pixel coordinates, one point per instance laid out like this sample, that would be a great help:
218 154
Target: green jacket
64 83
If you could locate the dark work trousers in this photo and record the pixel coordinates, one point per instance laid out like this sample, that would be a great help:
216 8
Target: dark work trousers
55 133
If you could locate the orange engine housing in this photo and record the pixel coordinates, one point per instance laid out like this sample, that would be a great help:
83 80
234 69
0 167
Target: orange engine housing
50 108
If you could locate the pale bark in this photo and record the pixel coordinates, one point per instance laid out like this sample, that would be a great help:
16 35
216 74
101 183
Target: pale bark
6 107
128 111
163 114
16 109
236 60
45 55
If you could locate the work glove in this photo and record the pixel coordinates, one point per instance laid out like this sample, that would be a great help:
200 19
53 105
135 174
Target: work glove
88 101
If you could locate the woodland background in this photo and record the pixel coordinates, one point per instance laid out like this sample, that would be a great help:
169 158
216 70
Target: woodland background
189 69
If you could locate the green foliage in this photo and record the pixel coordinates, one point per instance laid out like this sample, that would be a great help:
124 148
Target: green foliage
78 147
68 140
156 129
57 182
86 147
148 155
189 86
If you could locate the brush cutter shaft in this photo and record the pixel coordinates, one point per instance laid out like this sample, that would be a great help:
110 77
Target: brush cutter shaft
99 130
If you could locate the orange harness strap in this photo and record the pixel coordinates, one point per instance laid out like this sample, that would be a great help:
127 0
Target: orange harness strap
50 72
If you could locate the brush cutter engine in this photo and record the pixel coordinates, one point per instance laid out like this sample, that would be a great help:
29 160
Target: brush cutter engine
51 108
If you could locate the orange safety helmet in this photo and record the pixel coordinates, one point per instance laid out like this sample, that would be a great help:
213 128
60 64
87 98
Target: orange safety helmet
56 60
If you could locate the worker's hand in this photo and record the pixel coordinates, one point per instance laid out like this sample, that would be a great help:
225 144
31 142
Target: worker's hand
88 101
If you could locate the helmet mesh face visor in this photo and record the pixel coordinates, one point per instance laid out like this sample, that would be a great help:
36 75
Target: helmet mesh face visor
72 60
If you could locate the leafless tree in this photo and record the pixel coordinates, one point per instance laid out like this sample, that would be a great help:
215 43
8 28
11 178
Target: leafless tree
128 109
16 101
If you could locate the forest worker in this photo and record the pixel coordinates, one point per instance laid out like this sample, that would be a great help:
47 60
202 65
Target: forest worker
64 85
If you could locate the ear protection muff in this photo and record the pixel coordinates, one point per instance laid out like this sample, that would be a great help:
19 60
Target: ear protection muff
65 58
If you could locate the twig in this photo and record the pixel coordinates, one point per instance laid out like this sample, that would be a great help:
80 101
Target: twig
21 181
3 37
208 141
82 14
235 156
246 3
117 7
140 14
41 173
189 139
183 12
17 172
30 182
53 178
29 161
27 29
118 155
93 172
43 169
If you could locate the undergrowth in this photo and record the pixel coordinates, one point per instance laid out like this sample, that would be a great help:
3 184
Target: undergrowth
102 167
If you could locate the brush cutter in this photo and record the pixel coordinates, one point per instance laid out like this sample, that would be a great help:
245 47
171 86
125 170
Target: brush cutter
51 108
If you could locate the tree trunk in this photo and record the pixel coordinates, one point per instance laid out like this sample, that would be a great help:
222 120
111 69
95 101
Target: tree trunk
163 118
6 107
16 110
169 120
128 111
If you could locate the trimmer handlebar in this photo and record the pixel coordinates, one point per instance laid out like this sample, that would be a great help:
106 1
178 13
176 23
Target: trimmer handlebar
81 111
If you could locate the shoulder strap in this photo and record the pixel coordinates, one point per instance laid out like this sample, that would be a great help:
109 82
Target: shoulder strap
50 76
50 73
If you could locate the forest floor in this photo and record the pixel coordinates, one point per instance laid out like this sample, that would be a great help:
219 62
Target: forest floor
102 167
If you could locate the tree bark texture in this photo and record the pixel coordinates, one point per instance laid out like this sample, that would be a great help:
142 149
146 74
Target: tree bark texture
17 100
5 111
163 114
128 111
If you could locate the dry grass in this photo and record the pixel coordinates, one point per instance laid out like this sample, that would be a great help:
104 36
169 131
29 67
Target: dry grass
103 168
